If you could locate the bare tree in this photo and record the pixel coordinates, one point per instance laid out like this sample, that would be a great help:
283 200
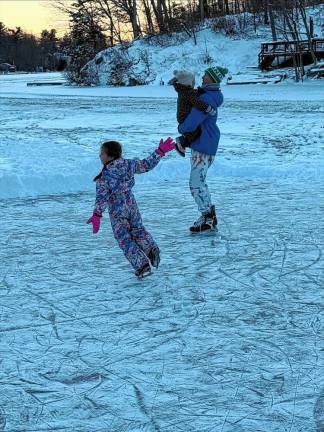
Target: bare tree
147 11
302 10
269 8
108 15
122 20
127 10
291 19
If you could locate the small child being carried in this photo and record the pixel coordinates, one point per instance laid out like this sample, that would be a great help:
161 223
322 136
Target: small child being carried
188 97
114 192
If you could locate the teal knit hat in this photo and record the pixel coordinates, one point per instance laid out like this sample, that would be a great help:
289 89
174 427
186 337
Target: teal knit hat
216 73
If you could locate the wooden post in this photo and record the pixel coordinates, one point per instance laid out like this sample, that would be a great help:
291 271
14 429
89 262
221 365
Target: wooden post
311 27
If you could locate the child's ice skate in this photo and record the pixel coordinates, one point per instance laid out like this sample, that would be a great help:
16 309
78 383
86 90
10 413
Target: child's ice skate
180 140
154 256
143 271
206 222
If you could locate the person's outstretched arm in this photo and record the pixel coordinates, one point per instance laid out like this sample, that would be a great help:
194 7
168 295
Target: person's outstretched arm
102 192
100 204
140 166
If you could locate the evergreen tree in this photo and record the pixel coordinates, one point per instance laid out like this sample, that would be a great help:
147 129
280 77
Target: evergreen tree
48 46
87 38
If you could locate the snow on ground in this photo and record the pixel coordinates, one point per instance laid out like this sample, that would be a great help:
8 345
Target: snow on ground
15 85
226 335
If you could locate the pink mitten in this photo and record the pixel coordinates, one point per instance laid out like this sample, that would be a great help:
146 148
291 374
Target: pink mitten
165 146
95 221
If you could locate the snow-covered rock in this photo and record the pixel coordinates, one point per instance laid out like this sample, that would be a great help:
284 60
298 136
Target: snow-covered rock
119 66
142 63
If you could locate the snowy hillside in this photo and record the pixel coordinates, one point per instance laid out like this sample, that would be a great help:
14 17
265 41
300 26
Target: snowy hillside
149 61
216 48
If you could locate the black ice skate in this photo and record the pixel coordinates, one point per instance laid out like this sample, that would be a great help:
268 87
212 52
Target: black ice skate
154 256
143 272
213 212
206 222
179 145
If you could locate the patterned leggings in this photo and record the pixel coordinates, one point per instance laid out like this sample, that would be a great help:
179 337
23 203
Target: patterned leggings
132 237
200 163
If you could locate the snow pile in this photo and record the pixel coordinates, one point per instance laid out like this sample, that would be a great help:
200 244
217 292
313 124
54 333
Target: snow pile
31 183
78 178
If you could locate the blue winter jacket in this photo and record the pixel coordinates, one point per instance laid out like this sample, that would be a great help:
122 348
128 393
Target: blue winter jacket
208 141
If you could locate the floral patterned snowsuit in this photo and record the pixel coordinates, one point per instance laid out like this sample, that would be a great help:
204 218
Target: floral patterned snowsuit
114 191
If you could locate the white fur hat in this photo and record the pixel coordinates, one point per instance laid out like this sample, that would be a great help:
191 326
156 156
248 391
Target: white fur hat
185 77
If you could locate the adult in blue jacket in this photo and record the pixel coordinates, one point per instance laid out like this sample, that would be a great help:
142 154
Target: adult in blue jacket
204 149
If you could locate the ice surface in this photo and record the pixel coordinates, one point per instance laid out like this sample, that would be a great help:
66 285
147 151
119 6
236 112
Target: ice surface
226 336
49 143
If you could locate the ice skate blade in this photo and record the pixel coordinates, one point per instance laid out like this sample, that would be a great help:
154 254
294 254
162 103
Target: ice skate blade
143 276
182 154
154 257
211 232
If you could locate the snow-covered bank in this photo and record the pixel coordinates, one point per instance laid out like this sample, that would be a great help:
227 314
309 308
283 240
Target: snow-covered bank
49 144
78 179
10 86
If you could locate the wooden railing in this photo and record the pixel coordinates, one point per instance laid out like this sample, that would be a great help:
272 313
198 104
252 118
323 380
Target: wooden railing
290 47
283 50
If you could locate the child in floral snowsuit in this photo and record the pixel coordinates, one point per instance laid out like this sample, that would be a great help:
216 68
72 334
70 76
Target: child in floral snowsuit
114 191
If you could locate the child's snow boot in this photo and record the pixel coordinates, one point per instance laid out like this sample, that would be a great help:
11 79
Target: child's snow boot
179 145
154 256
143 271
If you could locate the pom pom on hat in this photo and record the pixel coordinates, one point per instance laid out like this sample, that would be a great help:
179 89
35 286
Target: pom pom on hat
185 77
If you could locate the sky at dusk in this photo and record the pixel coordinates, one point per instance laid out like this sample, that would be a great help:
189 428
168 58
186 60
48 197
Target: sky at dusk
32 15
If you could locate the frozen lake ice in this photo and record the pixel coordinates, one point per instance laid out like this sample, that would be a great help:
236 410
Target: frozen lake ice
227 334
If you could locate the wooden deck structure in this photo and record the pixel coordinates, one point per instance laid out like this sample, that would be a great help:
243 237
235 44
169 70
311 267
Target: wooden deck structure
281 53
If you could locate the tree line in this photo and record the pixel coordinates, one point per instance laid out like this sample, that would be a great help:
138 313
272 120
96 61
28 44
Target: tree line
98 24
29 52
122 20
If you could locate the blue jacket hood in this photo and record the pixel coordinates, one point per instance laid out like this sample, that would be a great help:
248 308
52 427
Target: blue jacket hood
213 93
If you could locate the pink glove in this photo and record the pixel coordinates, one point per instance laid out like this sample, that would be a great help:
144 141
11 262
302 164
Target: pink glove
95 221
165 146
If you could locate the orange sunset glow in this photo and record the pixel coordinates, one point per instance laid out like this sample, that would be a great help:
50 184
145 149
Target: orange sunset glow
32 16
